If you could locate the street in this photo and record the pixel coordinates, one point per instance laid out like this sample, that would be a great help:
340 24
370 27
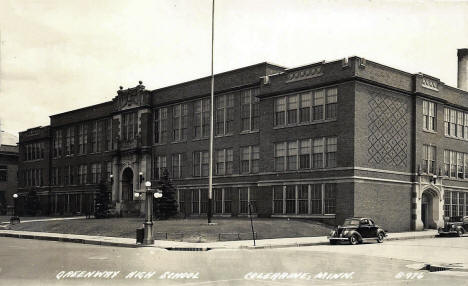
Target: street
34 262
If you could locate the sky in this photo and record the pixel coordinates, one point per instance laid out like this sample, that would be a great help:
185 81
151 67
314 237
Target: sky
57 56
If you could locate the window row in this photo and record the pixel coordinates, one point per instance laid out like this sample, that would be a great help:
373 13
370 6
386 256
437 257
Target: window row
34 151
33 177
456 123
455 164
222 200
455 203
223 117
306 107
84 138
313 199
306 154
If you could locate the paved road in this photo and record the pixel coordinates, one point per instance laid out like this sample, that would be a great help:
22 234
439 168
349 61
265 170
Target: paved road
33 262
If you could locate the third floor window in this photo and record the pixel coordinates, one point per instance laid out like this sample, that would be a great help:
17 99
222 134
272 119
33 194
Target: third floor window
250 110
160 125
429 115
306 107
129 126
201 120
180 122
224 114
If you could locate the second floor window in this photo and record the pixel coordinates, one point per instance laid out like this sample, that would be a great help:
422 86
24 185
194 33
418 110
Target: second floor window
129 126
160 125
429 158
108 143
249 159
3 173
177 165
306 153
180 122
455 164
159 164
224 160
429 115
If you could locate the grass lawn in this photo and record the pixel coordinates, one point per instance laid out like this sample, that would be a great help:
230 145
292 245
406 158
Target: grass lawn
194 230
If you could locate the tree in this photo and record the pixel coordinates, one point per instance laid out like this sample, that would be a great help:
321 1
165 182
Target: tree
101 205
166 206
32 203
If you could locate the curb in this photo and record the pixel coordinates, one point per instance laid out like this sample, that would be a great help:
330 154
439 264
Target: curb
182 248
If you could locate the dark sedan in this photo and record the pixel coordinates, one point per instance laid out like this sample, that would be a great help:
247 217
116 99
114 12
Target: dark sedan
357 229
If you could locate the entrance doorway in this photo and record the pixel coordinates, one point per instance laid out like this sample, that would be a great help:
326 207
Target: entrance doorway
127 185
424 210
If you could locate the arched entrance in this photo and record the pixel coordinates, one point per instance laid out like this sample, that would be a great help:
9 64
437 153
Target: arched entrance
127 185
430 208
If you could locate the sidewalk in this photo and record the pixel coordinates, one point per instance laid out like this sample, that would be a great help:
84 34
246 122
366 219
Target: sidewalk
45 219
189 246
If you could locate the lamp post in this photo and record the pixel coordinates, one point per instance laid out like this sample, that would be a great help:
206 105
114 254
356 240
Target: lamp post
148 238
14 218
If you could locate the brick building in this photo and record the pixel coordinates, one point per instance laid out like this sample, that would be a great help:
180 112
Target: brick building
322 141
8 179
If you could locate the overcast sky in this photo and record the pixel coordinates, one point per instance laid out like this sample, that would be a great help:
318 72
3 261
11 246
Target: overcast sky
62 55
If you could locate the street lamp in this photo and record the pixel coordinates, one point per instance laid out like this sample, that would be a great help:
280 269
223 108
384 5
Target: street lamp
148 236
14 219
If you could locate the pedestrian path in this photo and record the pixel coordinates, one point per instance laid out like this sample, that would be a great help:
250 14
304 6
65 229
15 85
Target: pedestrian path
180 245
48 219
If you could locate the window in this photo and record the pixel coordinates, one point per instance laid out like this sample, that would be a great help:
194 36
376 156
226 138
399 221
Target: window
159 164
455 164
82 139
179 123
201 162
249 159
201 121
278 199
69 141
177 165
250 110
292 109
317 153
303 199
82 174
93 138
246 196
292 155
331 152
224 160
129 126
330 108
296 199
280 153
318 102
160 125
330 199
195 201
304 154
181 200
224 114
108 143
222 200
305 107
428 162
280 111
429 115
57 143
100 134
3 173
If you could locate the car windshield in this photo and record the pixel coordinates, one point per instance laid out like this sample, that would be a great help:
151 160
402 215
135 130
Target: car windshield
351 221
455 219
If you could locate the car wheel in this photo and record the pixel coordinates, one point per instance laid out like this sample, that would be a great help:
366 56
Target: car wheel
459 233
332 242
380 237
353 240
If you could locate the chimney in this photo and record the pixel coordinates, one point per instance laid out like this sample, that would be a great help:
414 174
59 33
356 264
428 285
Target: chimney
462 69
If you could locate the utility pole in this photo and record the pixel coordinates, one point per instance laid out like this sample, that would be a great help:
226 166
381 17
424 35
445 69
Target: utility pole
210 176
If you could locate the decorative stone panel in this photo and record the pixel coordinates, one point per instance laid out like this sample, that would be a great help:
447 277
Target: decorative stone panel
388 130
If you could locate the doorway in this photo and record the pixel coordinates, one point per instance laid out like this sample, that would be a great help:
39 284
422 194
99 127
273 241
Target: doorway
127 185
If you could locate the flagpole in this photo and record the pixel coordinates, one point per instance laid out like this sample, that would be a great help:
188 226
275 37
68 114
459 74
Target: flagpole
210 177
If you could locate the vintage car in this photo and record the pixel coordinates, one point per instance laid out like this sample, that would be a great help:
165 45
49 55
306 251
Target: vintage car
357 229
457 225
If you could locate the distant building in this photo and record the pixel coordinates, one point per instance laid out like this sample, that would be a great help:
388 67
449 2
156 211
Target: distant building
8 176
322 141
